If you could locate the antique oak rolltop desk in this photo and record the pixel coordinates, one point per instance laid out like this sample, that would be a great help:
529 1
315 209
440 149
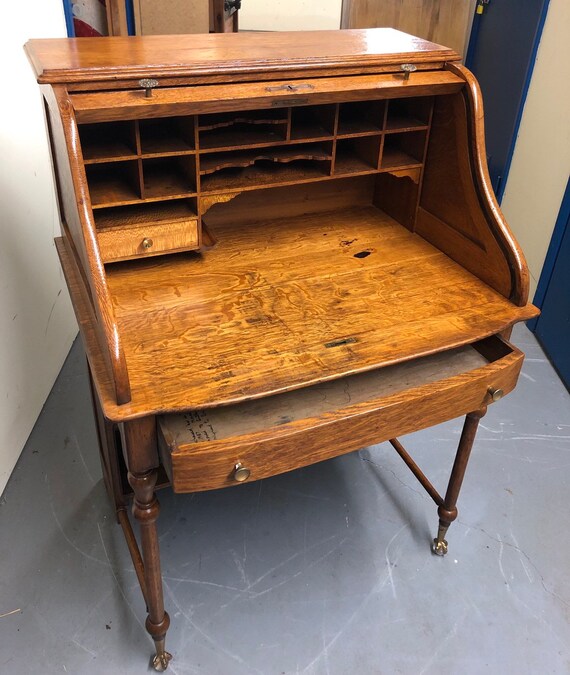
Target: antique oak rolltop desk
280 248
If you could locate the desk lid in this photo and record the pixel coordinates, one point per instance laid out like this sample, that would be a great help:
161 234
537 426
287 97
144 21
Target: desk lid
76 60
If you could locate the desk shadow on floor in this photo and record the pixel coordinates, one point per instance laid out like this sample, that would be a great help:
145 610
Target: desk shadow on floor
410 513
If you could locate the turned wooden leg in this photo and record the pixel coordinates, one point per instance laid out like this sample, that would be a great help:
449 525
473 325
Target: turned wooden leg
145 510
447 511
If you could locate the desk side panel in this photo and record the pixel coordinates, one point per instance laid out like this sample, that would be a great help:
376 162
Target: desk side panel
79 231
95 350
458 210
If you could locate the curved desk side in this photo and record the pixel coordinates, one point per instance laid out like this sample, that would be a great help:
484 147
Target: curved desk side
503 233
79 232
458 211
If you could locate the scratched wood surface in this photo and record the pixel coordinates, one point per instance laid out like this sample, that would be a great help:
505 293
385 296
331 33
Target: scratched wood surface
244 419
285 303
200 449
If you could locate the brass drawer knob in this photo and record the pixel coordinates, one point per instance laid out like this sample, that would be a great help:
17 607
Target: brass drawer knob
495 394
147 243
241 473
148 85
408 68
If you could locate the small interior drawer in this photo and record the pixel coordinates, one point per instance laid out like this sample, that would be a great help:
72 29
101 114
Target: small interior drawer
141 241
201 449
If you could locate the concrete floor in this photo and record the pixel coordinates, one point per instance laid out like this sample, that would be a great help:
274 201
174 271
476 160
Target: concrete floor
323 570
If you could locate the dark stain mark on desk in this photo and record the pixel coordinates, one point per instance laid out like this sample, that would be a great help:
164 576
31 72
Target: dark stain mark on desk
363 254
347 242
341 341
258 319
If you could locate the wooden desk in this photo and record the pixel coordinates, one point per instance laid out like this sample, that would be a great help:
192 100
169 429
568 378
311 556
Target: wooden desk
283 249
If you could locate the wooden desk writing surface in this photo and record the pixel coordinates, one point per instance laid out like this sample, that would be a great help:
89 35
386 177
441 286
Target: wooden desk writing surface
280 248
294 298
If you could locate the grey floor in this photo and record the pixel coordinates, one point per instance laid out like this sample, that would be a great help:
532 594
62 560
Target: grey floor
323 570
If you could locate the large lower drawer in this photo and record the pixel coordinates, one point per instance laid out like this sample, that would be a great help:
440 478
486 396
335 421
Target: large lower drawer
201 449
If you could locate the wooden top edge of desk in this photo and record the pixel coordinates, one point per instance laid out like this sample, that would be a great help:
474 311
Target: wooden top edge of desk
189 344
73 60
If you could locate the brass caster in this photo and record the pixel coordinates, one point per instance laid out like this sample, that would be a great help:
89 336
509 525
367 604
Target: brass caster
160 661
439 547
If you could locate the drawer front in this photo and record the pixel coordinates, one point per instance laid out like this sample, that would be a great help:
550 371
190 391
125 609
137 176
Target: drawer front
123 105
209 464
147 240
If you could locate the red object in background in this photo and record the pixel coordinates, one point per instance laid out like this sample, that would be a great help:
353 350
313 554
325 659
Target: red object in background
83 29
89 18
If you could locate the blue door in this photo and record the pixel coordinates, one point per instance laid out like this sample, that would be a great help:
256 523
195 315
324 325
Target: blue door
501 54
552 327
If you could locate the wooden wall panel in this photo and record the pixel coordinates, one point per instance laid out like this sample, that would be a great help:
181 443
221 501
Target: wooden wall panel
170 17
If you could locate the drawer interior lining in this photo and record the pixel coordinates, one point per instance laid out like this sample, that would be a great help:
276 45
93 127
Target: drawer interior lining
315 401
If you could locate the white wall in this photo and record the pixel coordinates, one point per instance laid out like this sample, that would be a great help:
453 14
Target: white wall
290 15
541 161
37 325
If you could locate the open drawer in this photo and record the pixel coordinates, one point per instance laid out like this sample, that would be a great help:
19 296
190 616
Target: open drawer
215 448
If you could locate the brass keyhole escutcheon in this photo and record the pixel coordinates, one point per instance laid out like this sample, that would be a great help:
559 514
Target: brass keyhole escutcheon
495 394
147 243
241 473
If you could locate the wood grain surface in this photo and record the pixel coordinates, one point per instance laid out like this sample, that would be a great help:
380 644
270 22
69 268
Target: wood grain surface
122 243
443 21
458 210
78 227
82 59
200 449
275 294
279 290
480 173
121 105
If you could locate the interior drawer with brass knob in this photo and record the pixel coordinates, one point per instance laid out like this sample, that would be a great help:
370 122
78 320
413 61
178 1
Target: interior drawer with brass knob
140 240
206 449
